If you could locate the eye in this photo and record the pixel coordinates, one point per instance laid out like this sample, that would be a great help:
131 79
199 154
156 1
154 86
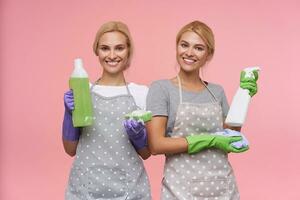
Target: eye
120 48
104 48
199 48
183 45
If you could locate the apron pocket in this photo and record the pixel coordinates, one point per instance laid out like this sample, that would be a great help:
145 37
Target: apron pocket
77 182
209 188
107 182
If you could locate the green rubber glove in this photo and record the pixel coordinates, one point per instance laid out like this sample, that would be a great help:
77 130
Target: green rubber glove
200 142
249 83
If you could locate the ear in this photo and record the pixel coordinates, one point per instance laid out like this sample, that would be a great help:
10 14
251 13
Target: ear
209 57
97 51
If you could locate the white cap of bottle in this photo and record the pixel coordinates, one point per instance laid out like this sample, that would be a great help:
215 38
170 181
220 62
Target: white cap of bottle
79 71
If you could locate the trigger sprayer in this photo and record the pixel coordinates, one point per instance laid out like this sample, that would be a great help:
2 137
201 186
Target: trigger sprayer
238 109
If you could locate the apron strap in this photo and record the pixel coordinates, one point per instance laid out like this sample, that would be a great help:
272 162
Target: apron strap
96 83
212 94
129 93
180 90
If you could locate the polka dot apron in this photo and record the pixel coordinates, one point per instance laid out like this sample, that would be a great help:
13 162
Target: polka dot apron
206 175
106 164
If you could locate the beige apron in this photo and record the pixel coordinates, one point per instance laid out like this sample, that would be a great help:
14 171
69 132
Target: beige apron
206 175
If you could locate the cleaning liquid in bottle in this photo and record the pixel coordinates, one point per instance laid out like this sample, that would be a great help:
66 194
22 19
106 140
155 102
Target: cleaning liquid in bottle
79 82
239 107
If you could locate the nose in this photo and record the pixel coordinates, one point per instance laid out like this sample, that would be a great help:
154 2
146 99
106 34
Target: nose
112 54
189 51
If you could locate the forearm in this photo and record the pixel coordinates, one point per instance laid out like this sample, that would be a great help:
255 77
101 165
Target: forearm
144 153
167 145
225 126
70 134
158 143
70 147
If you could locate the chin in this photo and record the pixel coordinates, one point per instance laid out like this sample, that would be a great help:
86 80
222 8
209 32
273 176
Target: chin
114 70
188 68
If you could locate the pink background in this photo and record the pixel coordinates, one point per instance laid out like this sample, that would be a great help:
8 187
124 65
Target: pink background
40 39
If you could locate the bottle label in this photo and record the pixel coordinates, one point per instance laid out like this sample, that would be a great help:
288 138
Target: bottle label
83 111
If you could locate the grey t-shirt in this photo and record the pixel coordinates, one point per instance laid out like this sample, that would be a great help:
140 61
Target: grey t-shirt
163 99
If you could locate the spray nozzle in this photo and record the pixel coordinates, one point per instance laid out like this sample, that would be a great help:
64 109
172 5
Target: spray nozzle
249 72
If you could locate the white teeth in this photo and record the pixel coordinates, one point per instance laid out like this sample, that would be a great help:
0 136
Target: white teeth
190 61
112 63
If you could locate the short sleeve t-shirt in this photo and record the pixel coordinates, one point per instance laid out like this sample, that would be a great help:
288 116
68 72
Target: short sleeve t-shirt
163 99
139 92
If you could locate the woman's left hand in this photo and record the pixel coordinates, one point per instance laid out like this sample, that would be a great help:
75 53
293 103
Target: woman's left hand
136 132
249 83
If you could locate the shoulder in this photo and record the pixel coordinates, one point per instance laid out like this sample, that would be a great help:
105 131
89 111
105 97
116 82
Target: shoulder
216 88
161 87
163 84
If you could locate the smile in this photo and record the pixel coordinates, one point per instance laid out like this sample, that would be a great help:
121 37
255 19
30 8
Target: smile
189 61
112 63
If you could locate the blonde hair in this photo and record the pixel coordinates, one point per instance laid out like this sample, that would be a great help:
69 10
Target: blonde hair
203 31
112 26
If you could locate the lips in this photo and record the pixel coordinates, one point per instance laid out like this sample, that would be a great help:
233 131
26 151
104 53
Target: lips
112 63
189 61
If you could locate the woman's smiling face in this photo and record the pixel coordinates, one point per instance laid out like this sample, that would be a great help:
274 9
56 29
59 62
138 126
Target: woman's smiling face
191 52
113 52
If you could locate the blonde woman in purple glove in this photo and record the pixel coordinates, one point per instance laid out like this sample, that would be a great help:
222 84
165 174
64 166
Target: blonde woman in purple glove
187 125
107 162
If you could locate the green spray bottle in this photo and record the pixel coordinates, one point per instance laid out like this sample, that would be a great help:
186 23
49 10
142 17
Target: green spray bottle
79 82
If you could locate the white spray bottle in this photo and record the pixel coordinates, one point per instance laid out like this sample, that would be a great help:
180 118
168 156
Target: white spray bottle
238 109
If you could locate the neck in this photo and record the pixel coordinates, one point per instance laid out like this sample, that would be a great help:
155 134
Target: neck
189 78
191 81
112 79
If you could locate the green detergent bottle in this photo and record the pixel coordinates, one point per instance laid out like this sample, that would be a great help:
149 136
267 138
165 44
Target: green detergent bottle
79 82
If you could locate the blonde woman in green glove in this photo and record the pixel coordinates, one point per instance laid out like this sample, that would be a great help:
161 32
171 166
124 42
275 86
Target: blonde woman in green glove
188 115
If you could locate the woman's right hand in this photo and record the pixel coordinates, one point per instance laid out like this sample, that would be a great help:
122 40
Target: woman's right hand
70 133
69 101
225 143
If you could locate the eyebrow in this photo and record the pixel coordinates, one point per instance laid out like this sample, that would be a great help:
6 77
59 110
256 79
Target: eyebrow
114 45
195 44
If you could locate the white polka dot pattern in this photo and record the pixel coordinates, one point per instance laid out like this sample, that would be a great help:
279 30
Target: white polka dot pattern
207 174
106 164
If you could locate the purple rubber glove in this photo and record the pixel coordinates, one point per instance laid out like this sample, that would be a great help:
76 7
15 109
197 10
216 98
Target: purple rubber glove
69 132
136 132
230 133
69 101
